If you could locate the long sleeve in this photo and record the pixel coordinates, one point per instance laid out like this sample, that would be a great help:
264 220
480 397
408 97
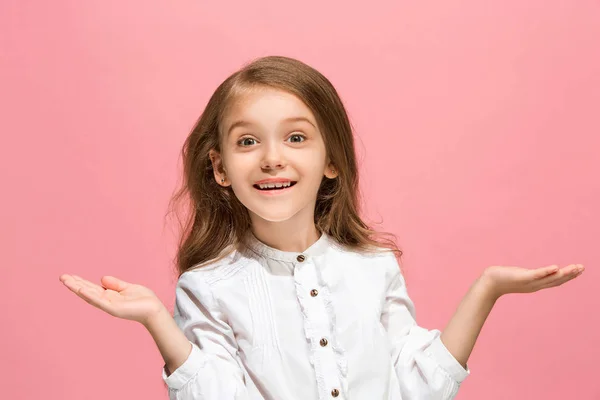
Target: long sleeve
212 371
424 366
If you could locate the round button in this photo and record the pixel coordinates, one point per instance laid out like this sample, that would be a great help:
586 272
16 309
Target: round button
301 258
314 292
323 342
335 393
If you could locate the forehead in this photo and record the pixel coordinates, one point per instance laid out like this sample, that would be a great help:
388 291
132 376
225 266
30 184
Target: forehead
265 106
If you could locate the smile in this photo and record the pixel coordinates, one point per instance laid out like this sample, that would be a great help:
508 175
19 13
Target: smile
274 188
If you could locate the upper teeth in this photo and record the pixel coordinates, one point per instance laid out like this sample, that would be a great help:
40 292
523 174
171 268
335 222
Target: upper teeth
274 185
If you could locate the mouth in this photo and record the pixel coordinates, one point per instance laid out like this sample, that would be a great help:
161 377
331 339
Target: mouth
274 187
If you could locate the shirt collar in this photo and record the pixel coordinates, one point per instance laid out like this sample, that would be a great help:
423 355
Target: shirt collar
316 249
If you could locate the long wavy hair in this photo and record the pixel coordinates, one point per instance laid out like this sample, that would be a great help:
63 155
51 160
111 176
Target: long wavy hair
213 222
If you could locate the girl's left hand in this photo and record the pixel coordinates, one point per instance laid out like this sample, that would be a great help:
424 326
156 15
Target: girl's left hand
503 280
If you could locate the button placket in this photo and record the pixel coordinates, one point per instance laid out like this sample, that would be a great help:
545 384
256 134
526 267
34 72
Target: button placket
306 275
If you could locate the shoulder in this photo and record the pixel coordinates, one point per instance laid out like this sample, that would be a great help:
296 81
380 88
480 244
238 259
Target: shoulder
202 287
227 269
377 256
379 261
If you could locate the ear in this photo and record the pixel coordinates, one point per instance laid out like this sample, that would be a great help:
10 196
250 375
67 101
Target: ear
330 170
218 167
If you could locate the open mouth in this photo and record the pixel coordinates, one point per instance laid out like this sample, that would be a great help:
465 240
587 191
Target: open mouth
274 186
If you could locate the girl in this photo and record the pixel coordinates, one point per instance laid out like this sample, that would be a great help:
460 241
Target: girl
283 291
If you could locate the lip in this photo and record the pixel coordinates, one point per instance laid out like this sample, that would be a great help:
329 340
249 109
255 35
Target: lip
274 180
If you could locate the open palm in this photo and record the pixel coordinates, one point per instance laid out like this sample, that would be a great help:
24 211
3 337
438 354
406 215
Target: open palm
506 280
116 297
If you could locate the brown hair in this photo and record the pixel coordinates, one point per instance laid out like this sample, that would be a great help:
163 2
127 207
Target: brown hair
216 220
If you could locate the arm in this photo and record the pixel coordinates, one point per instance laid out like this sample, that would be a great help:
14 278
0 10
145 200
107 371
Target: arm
463 329
174 346
198 345
424 367
430 365
207 367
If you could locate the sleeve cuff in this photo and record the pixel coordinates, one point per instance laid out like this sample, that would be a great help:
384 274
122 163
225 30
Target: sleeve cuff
446 360
186 371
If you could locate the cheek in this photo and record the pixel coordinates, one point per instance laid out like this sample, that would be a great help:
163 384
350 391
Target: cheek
239 166
314 169
308 160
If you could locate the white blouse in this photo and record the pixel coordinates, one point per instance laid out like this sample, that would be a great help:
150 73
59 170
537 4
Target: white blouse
323 324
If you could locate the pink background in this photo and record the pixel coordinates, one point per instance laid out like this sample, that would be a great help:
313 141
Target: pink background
479 127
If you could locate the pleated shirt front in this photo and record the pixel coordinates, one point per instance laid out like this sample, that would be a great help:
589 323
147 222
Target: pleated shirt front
326 323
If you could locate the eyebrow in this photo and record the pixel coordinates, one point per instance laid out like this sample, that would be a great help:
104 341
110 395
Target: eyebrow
242 123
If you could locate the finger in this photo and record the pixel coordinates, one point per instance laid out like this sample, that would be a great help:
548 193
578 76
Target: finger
87 283
574 272
76 286
116 284
572 269
565 274
561 281
561 273
96 300
540 273
569 269
71 284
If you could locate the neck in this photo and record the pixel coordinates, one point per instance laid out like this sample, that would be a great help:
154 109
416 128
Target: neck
294 235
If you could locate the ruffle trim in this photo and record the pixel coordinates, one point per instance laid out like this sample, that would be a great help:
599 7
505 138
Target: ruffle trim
313 338
342 361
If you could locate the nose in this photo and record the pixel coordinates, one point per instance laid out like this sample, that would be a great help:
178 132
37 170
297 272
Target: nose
272 158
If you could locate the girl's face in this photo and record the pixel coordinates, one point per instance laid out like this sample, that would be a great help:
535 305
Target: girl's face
270 135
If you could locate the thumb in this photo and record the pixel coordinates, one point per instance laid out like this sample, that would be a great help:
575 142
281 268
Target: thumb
110 282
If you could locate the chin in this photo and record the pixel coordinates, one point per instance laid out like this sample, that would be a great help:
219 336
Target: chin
275 217
273 214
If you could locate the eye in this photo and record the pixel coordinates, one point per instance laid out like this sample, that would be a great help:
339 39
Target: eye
245 142
298 136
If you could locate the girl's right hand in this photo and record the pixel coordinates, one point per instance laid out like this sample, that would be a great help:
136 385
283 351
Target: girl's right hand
116 297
